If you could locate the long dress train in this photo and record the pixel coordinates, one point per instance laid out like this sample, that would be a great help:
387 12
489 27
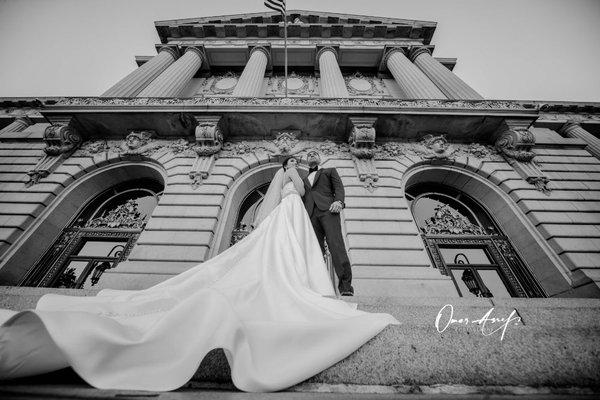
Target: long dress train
261 300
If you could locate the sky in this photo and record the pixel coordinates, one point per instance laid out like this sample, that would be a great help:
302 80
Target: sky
506 49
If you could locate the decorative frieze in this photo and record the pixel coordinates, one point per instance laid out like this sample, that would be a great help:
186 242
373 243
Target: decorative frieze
437 147
394 150
515 144
61 141
294 102
141 143
362 140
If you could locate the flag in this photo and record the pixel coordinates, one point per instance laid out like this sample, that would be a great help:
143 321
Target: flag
276 5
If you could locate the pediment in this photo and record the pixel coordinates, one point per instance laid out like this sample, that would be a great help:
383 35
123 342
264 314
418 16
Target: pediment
301 24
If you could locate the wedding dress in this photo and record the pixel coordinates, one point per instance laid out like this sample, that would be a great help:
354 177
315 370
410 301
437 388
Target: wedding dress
261 301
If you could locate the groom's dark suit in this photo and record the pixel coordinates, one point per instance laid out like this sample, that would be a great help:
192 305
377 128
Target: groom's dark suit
327 187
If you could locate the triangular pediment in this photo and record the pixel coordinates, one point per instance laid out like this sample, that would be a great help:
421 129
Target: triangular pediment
301 24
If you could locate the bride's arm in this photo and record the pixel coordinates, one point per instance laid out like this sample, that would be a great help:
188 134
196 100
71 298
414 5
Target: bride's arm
292 173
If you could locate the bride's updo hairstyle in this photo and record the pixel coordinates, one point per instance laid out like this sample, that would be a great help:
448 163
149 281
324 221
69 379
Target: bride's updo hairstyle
285 161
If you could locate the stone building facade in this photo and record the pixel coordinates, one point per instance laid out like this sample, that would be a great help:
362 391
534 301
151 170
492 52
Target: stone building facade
447 194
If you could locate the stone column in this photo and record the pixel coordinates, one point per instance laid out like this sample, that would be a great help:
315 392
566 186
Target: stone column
450 84
412 81
19 124
251 81
332 82
175 78
136 81
573 130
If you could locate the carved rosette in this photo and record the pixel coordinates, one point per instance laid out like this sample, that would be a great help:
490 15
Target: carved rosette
209 141
61 141
515 144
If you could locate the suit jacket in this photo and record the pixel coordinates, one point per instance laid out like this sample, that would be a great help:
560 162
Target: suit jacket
326 188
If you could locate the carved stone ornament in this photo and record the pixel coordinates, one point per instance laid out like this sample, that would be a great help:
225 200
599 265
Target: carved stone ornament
293 102
123 216
362 140
359 85
327 149
139 142
209 141
61 141
437 147
447 221
298 84
396 150
516 144
152 147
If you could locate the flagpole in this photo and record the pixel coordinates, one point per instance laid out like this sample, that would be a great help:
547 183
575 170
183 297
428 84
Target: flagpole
285 65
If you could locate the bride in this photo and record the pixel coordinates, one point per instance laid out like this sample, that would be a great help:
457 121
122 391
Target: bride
263 301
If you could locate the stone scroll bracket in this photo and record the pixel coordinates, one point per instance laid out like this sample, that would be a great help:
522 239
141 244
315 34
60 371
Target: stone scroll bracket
515 143
209 141
62 139
362 141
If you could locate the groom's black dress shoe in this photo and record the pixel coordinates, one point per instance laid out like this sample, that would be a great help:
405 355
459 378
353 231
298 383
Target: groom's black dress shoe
347 292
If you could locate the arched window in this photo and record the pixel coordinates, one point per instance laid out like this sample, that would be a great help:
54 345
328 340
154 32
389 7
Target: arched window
464 241
246 218
99 237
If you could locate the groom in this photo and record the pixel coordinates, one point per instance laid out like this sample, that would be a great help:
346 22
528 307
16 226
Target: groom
324 199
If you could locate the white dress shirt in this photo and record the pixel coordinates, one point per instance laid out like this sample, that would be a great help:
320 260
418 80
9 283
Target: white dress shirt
311 176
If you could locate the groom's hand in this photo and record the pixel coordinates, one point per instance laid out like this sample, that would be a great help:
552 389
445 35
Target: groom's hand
336 207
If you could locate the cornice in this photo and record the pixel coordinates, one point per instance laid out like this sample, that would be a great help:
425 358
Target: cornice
288 105
302 24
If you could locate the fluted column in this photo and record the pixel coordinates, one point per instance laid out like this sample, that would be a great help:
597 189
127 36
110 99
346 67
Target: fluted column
175 78
136 81
19 124
410 78
574 130
251 81
450 84
332 82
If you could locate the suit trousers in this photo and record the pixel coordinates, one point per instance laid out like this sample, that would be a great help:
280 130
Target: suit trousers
327 226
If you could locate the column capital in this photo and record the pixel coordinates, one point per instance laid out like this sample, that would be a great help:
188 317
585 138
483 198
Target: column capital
323 49
169 48
387 52
199 50
265 49
417 51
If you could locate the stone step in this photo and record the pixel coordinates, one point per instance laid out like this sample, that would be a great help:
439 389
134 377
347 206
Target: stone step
556 343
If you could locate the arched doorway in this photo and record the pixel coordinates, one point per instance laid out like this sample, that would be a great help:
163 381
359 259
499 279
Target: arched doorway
38 239
551 274
465 242
98 238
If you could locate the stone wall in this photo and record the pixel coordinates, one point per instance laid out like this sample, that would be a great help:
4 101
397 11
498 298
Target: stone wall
385 248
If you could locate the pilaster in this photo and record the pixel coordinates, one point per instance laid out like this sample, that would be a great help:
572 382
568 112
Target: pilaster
19 124
572 129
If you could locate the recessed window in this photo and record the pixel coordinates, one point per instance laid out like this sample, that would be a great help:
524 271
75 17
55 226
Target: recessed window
99 237
465 243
